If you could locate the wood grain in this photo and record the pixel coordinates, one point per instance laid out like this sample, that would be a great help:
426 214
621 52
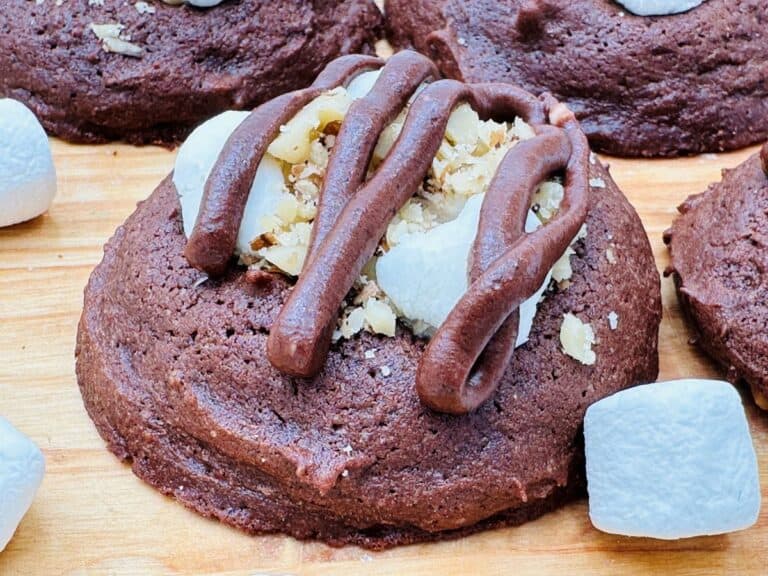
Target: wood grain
92 516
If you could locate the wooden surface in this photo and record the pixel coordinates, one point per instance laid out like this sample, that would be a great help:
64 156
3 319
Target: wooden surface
92 516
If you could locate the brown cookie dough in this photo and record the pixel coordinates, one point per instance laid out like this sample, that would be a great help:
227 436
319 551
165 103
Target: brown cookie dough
641 86
174 66
719 251
175 375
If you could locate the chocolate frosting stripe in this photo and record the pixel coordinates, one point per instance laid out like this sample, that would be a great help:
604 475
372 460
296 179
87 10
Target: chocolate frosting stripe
212 242
301 335
355 143
467 357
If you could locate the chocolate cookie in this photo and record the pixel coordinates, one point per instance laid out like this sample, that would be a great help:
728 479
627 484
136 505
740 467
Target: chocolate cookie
188 374
148 72
641 86
719 262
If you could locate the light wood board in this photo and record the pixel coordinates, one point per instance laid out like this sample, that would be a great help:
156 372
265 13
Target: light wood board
92 516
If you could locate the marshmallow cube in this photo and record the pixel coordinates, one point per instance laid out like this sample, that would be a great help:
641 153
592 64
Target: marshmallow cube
21 472
27 174
671 460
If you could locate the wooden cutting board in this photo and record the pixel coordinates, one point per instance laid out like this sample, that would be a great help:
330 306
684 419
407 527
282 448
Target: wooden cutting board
92 516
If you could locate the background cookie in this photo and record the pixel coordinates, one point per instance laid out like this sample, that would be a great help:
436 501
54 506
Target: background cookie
96 70
718 247
641 86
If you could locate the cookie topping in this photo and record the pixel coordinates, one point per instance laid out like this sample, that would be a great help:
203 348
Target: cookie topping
470 350
577 339
113 40
659 7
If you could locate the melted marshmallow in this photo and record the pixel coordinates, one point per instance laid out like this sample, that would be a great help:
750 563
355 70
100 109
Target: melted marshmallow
426 274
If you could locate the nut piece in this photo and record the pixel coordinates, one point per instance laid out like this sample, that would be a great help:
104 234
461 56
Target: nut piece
112 40
577 339
293 145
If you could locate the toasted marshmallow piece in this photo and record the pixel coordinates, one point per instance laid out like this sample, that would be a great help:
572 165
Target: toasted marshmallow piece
671 460
659 7
426 274
21 471
27 174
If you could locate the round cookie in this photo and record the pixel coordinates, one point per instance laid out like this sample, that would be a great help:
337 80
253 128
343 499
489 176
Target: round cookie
719 260
175 371
641 86
147 72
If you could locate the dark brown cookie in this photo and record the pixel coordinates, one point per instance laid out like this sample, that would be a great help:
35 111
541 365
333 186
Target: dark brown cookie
719 251
641 86
190 63
174 374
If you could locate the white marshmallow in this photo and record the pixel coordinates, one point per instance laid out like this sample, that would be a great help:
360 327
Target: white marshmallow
426 274
659 7
21 471
671 460
204 3
194 163
27 174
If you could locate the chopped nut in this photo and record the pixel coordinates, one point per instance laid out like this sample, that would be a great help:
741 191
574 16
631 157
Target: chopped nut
386 371
577 339
263 241
352 323
293 144
370 354
379 317
597 182
111 40
613 320
610 255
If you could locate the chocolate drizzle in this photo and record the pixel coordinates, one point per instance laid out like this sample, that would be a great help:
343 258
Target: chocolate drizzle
465 360
467 357
212 243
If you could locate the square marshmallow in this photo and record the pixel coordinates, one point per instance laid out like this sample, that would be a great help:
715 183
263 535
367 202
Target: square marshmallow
671 460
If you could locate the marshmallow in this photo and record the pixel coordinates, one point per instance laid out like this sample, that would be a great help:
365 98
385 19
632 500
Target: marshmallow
671 460
21 472
659 7
426 274
27 174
